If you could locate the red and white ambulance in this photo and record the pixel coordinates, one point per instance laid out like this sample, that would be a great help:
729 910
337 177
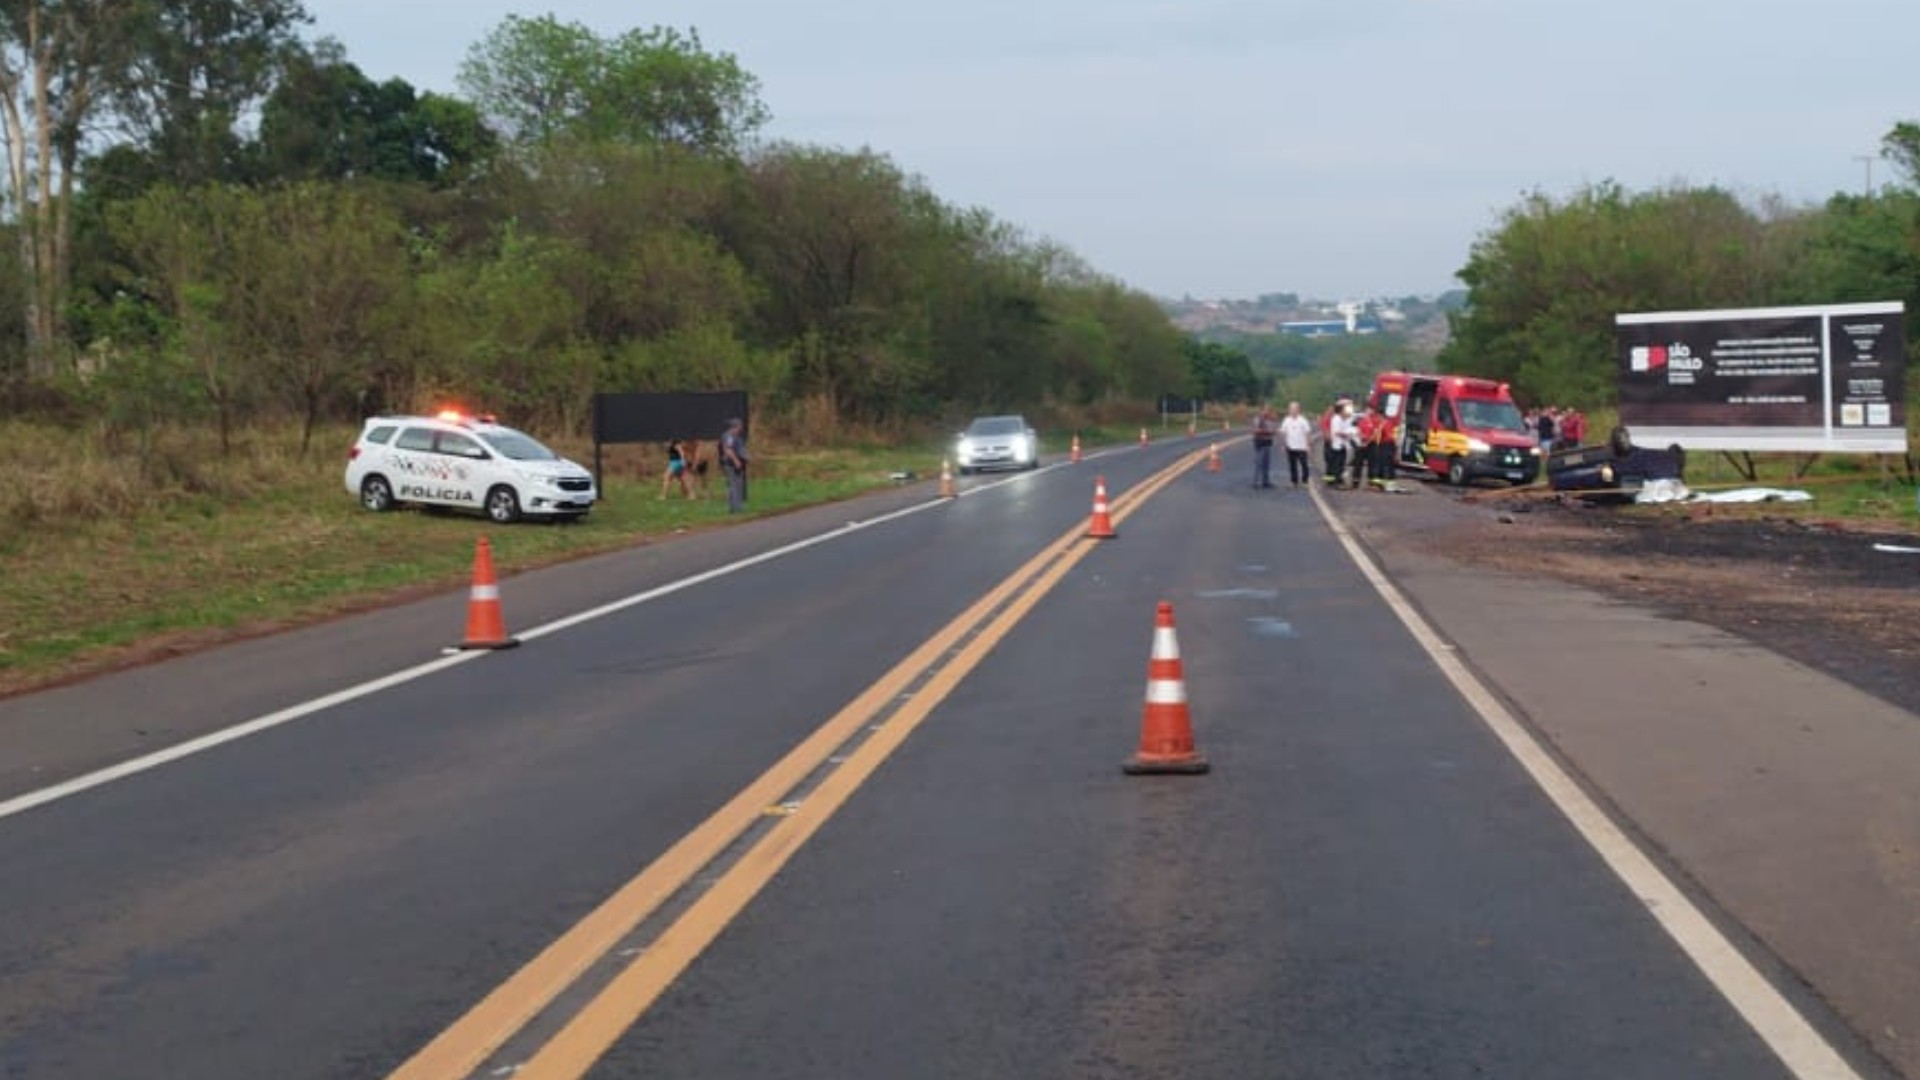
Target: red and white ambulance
1457 427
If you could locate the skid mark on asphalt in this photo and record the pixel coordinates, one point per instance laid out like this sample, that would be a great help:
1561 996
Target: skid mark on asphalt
1238 594
653 665
1268 626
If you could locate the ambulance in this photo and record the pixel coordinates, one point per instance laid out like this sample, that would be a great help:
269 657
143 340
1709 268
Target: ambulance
1457 427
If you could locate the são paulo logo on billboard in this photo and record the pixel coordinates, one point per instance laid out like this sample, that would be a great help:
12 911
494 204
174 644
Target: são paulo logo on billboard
1677 360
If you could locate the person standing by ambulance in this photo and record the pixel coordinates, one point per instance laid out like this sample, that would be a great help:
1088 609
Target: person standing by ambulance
1363 432
1296 434
1386 451
1339 442
1264 429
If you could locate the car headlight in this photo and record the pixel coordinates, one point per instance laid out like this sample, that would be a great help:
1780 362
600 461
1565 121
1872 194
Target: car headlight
1020 446
1478 446
1535 451
964 447
1606 474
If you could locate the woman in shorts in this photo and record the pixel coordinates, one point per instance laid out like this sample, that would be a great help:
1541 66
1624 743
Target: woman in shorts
676 470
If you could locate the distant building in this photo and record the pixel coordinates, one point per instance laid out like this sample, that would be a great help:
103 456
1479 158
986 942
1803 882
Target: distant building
1353 324
1315 327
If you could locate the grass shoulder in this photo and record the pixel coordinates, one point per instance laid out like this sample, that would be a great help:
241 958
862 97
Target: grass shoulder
110 558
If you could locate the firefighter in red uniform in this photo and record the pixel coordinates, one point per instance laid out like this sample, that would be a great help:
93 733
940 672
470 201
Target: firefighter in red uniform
1364 429
1386 452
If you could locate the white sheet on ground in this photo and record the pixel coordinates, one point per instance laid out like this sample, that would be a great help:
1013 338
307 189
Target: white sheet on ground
1666 491
1753 495
1661 491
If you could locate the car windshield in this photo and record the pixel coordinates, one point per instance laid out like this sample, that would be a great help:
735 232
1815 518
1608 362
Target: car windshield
517 447
1491 415
997 425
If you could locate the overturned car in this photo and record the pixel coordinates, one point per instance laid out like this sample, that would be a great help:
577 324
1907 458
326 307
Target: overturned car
1614 471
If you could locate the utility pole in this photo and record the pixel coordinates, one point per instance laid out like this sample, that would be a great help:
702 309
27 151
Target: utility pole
1867 160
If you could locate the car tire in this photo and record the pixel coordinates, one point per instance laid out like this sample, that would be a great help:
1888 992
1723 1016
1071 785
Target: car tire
376 494
1456 472
503 505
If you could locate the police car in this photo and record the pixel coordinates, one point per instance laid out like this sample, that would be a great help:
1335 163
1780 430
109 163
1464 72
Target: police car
464 462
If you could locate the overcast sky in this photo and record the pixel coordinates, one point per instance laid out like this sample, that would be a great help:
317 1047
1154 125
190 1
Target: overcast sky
1226 148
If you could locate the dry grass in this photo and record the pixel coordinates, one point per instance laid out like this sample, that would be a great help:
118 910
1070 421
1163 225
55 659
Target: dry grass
108 556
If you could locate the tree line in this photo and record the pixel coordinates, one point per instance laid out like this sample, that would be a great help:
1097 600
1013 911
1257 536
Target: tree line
219 221
1546 281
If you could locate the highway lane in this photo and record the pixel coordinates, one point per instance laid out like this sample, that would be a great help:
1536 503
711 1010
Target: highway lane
71 730
1365 886
318 900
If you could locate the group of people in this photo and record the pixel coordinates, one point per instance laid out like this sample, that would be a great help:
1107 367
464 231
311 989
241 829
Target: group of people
1356 442
1360 445
1295 434
687 466
1557 428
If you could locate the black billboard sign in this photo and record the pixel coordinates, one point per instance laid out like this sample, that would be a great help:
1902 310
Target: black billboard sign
641 418
1805 379
634 418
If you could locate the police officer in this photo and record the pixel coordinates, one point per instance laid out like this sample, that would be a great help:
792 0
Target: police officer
733 459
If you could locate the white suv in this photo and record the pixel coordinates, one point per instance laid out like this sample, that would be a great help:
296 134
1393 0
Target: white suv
464 462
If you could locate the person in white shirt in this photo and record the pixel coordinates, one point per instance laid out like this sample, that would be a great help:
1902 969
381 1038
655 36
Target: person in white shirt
1296 434
1340 436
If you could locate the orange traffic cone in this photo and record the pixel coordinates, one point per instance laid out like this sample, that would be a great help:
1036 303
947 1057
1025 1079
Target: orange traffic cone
1226 424
1192 429
1074 454
1166 730
1213 458
1101 527
486 629
946 480
1143 436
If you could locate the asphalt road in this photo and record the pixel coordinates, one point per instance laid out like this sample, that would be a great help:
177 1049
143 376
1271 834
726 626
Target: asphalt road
1367 884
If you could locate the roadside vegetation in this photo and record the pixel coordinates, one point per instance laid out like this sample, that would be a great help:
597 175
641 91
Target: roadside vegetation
1546 281
237 244
113 561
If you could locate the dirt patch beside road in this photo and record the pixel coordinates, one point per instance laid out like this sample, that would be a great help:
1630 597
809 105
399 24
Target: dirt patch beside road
1814 591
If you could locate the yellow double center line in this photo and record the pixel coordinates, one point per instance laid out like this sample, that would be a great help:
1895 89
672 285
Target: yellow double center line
465 1046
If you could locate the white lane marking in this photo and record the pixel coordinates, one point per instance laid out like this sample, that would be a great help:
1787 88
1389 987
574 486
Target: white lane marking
701 578
1805 1053
31 800
20 804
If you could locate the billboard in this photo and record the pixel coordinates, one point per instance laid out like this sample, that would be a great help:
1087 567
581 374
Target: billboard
631 418
1798 379
641 418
